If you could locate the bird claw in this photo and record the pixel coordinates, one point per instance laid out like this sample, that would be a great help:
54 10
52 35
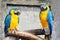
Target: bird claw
47 31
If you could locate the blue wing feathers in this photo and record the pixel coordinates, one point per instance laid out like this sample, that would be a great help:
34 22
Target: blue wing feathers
7 24
50 21
7 20
50 17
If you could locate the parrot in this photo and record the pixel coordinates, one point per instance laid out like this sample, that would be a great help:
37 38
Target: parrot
11 20
46 18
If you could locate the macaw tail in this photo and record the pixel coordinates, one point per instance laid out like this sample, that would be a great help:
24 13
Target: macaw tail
50 27
5 31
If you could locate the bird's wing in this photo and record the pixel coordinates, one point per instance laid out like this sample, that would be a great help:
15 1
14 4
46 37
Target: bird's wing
50 18
7 24
7 21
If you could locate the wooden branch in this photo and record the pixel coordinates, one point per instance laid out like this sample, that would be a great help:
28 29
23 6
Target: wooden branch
24 35
36 31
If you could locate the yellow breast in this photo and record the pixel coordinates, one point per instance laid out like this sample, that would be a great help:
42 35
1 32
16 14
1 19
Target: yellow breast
43 15
14 22
43 19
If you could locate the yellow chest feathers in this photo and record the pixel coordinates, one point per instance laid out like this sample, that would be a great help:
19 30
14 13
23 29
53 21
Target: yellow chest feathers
43 15
14 22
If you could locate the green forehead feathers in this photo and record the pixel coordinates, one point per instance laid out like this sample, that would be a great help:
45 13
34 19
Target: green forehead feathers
13 9
43 4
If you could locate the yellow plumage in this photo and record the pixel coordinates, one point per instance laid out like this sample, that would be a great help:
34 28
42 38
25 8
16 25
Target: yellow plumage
43 18
14 21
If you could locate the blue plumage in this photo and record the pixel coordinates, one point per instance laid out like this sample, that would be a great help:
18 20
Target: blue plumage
50 21
7 23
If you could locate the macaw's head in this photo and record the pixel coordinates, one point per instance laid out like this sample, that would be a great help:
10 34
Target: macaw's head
44 7
14 11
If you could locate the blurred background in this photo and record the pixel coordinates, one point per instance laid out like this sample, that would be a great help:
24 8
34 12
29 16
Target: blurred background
29 18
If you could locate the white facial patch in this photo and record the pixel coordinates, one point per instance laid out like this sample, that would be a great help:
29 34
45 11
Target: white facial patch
15 11
43 7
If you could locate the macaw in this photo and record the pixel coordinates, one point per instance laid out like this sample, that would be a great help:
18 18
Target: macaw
12 20
46 18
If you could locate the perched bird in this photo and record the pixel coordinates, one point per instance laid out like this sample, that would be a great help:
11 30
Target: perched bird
46 18
12 20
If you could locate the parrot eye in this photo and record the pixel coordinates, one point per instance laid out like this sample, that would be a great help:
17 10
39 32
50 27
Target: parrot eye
17 12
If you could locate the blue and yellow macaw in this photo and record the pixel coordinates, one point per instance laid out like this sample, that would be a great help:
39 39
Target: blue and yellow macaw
46 18
12 20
